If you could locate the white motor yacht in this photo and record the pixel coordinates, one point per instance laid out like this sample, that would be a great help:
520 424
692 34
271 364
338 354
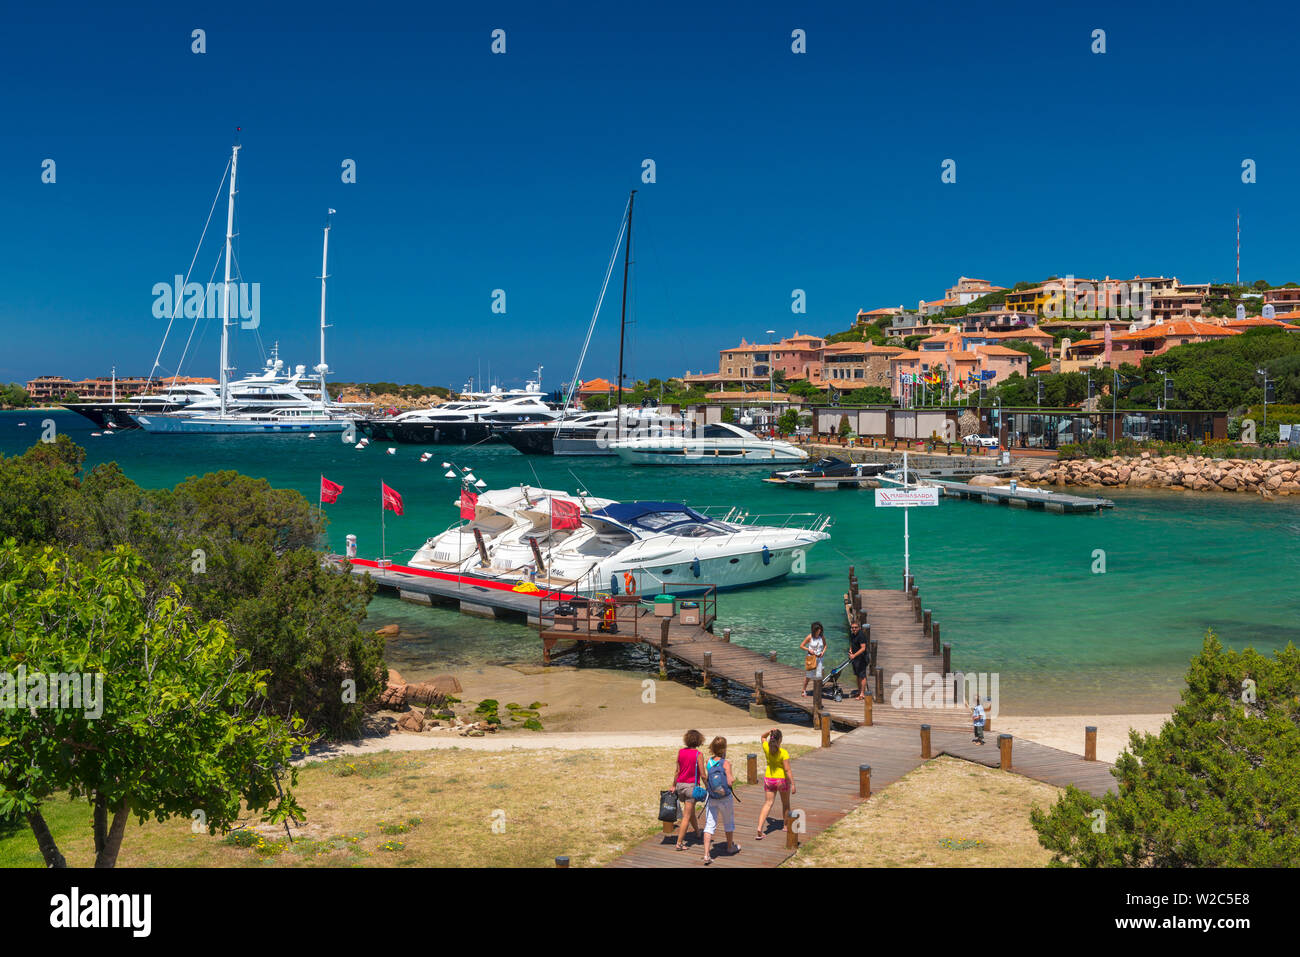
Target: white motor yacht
719 443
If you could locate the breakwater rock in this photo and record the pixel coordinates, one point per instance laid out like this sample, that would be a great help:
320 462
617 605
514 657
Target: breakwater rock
1267 477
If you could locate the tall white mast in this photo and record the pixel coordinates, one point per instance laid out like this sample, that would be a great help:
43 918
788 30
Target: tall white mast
225 289
322 368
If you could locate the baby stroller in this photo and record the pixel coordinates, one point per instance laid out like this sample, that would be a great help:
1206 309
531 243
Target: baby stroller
831 683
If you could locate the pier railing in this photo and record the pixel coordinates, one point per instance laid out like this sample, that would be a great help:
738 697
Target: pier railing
628 618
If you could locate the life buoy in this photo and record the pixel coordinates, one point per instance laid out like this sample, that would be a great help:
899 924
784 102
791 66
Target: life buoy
629 583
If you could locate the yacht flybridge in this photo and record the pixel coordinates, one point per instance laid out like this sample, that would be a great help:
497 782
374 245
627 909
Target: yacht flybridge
658 546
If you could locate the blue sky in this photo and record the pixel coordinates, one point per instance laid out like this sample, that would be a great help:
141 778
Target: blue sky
476 172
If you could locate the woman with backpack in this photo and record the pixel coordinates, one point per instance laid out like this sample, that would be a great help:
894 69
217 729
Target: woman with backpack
777 779
720 806
687 783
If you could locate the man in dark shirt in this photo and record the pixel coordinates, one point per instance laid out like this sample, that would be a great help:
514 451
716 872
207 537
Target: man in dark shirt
859 654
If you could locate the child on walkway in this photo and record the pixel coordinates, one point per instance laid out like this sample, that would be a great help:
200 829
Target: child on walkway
777 779
720 805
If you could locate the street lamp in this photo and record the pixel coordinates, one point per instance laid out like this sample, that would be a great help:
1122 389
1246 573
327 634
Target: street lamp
771 377
1264 373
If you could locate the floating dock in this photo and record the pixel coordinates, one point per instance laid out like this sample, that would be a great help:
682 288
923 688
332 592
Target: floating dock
1039 498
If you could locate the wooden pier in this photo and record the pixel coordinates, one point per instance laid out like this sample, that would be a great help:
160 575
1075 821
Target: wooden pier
1045 499
831 781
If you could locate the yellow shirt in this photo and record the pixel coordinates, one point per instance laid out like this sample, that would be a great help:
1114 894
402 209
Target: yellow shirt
775 769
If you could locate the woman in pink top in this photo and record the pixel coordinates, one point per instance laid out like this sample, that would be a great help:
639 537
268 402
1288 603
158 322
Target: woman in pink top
689 772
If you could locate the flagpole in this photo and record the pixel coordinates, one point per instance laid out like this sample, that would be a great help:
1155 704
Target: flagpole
383 532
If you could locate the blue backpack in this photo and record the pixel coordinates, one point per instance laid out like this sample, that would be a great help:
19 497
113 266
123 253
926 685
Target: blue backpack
717 781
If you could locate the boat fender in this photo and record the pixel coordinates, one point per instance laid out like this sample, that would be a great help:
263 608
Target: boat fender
695 567
767 556
613 584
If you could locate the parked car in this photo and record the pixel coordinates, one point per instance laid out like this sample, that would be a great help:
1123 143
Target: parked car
988 441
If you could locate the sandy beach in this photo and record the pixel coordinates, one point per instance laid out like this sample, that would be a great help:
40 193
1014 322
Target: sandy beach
595 708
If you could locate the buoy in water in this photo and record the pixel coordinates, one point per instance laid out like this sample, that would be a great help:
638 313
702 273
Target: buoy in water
311 435
391 451
426 456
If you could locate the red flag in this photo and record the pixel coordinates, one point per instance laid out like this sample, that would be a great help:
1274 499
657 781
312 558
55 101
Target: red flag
564 514
468 500
391 499
329 491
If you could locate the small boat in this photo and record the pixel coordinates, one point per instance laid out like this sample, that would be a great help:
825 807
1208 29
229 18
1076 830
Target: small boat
828 472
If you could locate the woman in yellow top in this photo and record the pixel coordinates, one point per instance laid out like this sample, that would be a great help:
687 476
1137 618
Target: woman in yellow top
777 779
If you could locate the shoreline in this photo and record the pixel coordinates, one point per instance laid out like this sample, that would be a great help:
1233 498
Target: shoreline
594 708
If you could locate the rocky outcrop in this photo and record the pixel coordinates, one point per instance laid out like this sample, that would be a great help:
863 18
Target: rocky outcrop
1267 477
433 692
389 631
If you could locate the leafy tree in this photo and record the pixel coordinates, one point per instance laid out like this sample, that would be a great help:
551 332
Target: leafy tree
788 422
728 414
177 725
597 403
14 396
1217 787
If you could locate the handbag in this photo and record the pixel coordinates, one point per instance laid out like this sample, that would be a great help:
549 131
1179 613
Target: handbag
699 793
810 662
667 806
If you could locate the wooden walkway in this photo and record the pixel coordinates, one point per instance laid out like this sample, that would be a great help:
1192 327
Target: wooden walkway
828 785
907 657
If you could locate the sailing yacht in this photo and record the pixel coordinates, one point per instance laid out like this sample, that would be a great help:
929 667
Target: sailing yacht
272 401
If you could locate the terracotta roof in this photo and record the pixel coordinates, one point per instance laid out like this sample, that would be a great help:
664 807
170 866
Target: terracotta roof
843 348
1031 333
999 351
1046 367
1253 322
597 385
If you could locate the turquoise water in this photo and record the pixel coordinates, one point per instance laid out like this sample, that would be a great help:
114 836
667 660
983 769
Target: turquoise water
1014 590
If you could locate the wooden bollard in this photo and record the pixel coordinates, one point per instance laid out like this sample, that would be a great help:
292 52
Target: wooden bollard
864 780
880 684
866 710
909 582
758 687
751 769
916 607
771 656
925 622
663 647
726 634
1004 752
561 862
817 698
934 636
1090 743
925 741
875 654
791 835
852 574
708 666
947 659
826 731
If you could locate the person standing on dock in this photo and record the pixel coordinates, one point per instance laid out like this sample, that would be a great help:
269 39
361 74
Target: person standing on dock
777 779
686 783
859 652
814 645
721 804
977 719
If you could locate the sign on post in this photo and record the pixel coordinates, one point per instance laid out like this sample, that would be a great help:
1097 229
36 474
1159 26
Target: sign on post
907 497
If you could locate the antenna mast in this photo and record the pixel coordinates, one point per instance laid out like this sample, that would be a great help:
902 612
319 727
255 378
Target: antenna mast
225 289
322 368
622 324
